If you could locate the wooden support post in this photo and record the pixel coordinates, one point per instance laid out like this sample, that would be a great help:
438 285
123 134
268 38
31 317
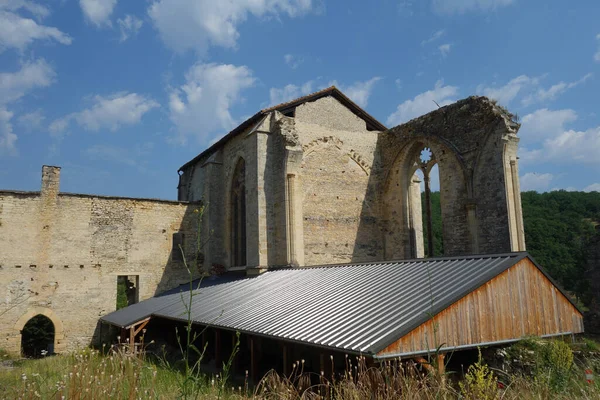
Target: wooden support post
322 363
132 340
218 360
441 367
252 359
286 367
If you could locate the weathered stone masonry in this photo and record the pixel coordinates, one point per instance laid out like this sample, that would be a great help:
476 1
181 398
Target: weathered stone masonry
326 183
61 254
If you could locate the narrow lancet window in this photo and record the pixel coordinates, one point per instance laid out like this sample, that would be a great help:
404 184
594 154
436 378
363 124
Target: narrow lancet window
238 215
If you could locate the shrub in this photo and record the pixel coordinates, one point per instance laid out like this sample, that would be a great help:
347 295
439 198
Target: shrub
479 382
555 362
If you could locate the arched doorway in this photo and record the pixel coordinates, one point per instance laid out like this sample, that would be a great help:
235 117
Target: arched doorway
37 337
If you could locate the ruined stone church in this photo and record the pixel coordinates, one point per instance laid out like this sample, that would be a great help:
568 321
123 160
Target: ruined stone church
319 181
315 181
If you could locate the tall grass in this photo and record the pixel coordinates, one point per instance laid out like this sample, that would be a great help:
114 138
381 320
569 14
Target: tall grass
88 374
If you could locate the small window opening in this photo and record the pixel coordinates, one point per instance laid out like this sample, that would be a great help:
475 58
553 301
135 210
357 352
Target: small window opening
178 245
127 290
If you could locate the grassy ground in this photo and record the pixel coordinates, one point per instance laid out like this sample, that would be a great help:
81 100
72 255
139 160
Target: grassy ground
90 375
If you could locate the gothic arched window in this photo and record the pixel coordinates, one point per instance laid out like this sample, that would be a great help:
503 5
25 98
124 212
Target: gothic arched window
238 215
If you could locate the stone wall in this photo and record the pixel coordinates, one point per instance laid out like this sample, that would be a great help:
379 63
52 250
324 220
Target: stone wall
61 254
340 203
321 188
474 142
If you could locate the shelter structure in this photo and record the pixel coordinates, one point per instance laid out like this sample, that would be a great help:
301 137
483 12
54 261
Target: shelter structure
381 310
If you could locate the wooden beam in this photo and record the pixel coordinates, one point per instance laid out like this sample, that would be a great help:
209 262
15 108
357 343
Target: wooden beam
426 364
137 323
142 325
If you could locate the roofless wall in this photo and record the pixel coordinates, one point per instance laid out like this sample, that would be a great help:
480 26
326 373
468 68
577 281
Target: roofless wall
62 253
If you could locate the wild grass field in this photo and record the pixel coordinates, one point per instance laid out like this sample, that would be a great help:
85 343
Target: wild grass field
538 369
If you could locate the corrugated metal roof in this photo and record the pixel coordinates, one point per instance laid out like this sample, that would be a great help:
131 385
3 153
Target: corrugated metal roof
137 312
353 307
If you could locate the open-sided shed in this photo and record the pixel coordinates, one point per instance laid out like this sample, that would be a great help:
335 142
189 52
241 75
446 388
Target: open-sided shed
381 310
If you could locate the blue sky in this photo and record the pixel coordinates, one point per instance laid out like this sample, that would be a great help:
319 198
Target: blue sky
120 94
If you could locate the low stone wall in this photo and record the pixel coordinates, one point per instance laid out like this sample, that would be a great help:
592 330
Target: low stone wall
61 256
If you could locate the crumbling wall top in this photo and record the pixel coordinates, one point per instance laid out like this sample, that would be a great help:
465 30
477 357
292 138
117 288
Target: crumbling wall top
465 123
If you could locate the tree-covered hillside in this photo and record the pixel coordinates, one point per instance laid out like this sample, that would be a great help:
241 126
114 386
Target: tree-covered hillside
557 227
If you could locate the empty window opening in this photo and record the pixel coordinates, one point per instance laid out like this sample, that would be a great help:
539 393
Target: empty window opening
427 172
238 215
178 246
37 337
127 290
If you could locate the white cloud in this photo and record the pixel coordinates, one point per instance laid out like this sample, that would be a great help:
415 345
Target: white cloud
39 11
570 146
98 12
110 112
198 24
594 187
32 121
543 95
201 106
14 85
19 32
597 55
129 26
505 94
544 123
535 181
293 61
463 6
8 139
359 91
445 49
435 36
289 92
423 103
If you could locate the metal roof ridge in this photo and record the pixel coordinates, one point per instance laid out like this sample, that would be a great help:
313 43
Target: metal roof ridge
517 254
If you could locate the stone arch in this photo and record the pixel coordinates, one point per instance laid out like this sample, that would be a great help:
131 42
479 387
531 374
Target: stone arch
401 200
59 335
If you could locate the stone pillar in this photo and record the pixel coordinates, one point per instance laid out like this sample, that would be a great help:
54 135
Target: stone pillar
416 217
50 181
49 198
518 212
